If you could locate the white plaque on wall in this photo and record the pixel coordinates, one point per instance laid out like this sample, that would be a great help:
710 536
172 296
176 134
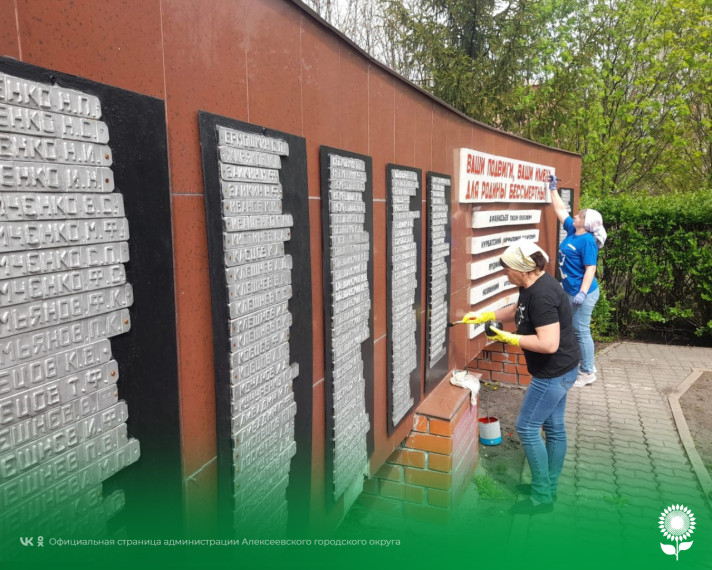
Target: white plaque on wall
484 267
492 218
489 289
477 245
475 330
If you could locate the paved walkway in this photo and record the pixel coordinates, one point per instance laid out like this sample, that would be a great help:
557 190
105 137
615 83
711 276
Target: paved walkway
626 461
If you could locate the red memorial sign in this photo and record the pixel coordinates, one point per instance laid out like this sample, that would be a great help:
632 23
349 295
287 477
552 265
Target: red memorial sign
483 177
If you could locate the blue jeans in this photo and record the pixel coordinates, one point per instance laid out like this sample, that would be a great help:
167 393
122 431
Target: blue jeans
544 405
581 317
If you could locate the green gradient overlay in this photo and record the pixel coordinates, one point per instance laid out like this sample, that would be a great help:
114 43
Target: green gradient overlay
582 532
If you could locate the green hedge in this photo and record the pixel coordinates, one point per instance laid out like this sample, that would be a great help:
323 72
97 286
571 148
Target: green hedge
656 267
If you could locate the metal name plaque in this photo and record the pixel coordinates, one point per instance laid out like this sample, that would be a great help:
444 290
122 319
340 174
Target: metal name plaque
484 267
475 330
347 222
481 244
492 218
63 293
489 289
404 204
258 231
437 278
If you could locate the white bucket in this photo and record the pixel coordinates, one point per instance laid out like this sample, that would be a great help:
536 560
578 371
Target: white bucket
490 433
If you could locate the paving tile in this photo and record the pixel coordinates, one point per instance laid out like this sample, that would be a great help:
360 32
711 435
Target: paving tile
627 475
590 437
630 452
633 464
627 440
627 486
604 475
665 476
666 442
643 498
585 483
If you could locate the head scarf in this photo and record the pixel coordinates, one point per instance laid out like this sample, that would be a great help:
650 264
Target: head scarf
593 222
518 256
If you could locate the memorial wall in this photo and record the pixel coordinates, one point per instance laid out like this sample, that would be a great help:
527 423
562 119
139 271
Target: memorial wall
258 220
403 290
82 227
230 247
437 278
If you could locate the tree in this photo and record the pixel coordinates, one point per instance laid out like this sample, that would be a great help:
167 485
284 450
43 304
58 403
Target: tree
625 83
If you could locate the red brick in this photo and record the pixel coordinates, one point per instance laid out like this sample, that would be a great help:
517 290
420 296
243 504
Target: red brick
390 472
439 498
437 462
392 490
455 420
525 379
370 486
466 446
510 368
440 427
413 494
409 457
428 442
502 357
426 513
502 377
426 478
495 347
459 492
420 423
486 376
522 369
382 505
488 365
511 349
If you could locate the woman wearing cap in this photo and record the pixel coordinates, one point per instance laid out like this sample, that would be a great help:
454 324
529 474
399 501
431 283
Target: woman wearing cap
545 334
578 258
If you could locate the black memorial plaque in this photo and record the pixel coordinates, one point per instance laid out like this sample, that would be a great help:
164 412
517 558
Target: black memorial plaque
437 278
259 251
347 228
89 436
404 201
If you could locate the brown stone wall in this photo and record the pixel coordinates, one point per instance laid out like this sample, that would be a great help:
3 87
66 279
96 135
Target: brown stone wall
268 62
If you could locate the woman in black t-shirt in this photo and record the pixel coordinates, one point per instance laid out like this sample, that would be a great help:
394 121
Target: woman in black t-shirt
545 334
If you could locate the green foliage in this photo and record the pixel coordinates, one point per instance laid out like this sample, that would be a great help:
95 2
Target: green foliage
657 265
624 83
603 325
488 488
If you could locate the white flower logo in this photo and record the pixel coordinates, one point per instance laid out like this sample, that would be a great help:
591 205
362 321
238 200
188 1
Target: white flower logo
677 523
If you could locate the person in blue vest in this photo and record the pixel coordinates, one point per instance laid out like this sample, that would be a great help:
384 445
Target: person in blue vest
578 259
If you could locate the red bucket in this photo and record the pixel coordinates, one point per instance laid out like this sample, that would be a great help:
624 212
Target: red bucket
490 432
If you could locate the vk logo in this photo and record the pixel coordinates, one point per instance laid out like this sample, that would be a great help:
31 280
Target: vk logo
26 541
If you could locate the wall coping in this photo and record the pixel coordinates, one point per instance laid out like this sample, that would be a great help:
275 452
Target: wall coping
444 401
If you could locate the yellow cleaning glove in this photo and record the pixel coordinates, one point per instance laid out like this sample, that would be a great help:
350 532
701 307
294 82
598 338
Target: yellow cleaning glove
478 318
503 336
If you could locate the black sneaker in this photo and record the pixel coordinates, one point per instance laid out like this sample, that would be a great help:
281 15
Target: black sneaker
526 489
526 507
